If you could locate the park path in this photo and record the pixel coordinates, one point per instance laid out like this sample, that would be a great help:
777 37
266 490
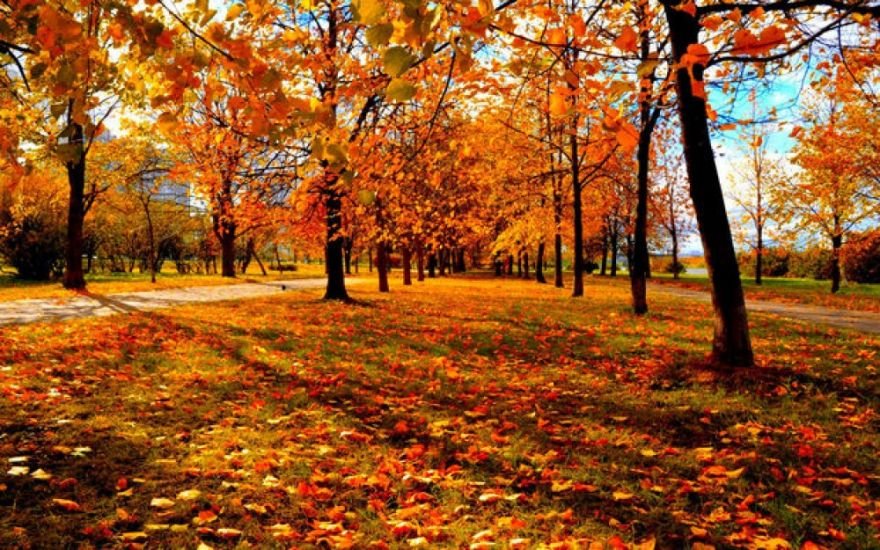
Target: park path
94 305
864 321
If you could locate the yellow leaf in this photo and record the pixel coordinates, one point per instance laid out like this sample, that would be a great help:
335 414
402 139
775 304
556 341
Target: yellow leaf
234 11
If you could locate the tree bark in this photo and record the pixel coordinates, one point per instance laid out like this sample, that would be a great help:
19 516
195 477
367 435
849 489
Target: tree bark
420 263
731 344
539 264
612 250
675 267
432 264
347 246
759 258
407 265
382 266
604 266
525 259
836 243
578 286
333 246
76 178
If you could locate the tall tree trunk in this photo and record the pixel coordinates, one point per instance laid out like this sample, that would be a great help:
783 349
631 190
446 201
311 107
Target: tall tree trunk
759 258
604 266
382 266
151 235
539 264
731 344
519 269
420 262
333 256
557 241
370 259
578 285
432 263
675 265
442 262
640 265
836 243
407 265
76 179
510 263
227 252
525 260
347 246
461 266
333 246
612 250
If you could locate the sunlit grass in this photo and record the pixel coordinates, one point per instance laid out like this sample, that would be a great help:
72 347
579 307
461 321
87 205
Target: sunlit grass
454 412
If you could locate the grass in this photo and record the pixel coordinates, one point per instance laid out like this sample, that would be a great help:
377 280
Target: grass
458 412
12 288
854 296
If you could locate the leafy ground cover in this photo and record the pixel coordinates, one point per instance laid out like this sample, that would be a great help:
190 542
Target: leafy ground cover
12 288
853 296
458 413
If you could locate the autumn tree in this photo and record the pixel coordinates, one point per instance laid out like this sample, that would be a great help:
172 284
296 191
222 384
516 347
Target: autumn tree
836 190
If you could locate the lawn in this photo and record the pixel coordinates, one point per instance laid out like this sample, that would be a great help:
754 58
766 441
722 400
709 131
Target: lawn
464 412
12 288
854 296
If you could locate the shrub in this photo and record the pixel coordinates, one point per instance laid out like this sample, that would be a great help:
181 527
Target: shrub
33 241
861 258
812 263
774 262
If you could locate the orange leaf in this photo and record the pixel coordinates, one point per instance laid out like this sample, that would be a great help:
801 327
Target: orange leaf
628 40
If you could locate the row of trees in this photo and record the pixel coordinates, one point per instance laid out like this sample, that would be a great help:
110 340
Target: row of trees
428 127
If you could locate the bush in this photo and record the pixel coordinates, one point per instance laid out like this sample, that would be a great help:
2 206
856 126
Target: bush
33 240
774 262
666 265
812 263
861 258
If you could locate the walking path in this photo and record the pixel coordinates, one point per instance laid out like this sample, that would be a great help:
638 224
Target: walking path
864 321
93 305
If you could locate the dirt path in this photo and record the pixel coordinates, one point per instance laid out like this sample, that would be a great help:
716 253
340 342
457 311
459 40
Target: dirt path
94 305
864 321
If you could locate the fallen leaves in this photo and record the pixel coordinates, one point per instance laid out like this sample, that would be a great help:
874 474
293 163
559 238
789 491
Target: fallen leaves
501 447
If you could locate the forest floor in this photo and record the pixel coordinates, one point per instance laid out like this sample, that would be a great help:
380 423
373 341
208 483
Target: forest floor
460 412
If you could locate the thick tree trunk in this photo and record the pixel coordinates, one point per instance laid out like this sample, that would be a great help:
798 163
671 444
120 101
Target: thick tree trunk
539 264
461 267
227 251
382 266
525 259
76 179
407 265
519 263
510 263
442 262
731 343
333 259
432 264
420 263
